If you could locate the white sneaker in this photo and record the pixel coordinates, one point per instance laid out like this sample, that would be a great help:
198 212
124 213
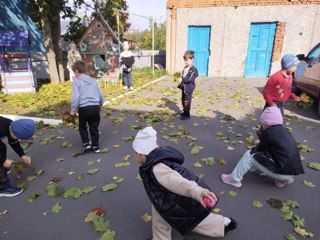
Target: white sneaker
125 87
130 88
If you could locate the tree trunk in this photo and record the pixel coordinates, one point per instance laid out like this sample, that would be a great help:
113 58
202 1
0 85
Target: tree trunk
58 47
51 56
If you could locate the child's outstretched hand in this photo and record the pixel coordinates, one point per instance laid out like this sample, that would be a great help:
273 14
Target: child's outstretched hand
208 199
26 159
8 163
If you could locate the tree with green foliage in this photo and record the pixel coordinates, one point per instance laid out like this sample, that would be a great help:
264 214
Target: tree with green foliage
144 38
78 26
46 14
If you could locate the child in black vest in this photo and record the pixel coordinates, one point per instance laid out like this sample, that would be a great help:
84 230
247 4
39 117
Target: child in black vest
179 198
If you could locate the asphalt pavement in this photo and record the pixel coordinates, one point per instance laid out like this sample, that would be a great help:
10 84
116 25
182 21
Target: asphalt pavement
225 112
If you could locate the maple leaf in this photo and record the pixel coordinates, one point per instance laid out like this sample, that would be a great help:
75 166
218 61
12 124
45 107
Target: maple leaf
233 193
98 211
67 144
105 150
56 208
256 204
314 165
34 196
108 235
292 204
92 171
275 203
88 189
55 190
197 165
309 184
146 217
286 213
297 221
73 192
109 187
290 237
98 223
302 232
200 176
209 161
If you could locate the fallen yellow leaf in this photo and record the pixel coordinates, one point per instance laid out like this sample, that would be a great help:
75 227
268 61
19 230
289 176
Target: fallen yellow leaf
146 217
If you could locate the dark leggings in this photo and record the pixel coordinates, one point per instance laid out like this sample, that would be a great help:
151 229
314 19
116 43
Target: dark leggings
89 115
186 102
279 105
4 181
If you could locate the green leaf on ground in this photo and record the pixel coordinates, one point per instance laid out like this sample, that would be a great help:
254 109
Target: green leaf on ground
120 165
291 203
197 165
314 165
196 149
297 221
233 193
73 192
108 235
118 179
209 161
275 203
56 208
309 184
290 237
23 185
109 187
88 189
286 213
105 150
60 159
67 144
138 178
92 171
34 196
55 190
98 222
256 204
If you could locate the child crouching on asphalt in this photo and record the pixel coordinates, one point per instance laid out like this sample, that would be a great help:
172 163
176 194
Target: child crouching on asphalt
177 195
276 155
13 130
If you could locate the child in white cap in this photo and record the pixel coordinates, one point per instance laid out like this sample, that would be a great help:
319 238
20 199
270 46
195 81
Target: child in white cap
177 195
276 154
13 130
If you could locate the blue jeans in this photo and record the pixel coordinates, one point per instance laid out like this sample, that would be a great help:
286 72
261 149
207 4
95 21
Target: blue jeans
247 162
127 79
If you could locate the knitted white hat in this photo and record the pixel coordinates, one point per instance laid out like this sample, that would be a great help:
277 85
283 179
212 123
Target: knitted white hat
145 141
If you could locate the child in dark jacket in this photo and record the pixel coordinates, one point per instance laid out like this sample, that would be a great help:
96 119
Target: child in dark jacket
177 195
276 155
187 84
13 130
88 99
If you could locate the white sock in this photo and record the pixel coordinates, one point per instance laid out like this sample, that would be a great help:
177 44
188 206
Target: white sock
226 221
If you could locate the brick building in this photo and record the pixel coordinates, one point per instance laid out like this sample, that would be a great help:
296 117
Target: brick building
235 38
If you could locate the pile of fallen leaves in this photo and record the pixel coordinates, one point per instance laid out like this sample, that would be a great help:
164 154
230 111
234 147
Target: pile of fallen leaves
53 99
306 101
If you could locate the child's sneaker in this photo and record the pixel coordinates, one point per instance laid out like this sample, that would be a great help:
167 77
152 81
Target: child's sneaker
86 147
125 87
96 149
10 191
131 88
281 184
226 178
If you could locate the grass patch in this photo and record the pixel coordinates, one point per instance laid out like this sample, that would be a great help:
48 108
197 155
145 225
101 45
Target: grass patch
53 99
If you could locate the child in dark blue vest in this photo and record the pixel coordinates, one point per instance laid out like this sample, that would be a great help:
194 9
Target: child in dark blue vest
187 84
177 195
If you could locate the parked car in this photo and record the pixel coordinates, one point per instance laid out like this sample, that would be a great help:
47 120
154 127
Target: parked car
307 75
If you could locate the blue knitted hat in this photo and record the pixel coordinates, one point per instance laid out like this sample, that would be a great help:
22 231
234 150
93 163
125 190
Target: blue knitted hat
23 128
289 61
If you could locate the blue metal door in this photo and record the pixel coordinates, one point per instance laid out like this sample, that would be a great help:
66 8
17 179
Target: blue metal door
199 42
260 50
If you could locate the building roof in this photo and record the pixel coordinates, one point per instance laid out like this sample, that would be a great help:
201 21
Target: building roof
14 17
233 3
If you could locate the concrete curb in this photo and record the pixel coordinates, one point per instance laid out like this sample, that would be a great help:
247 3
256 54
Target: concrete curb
58 121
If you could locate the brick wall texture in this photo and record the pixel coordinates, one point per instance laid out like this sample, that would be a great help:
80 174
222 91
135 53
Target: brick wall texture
233 3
